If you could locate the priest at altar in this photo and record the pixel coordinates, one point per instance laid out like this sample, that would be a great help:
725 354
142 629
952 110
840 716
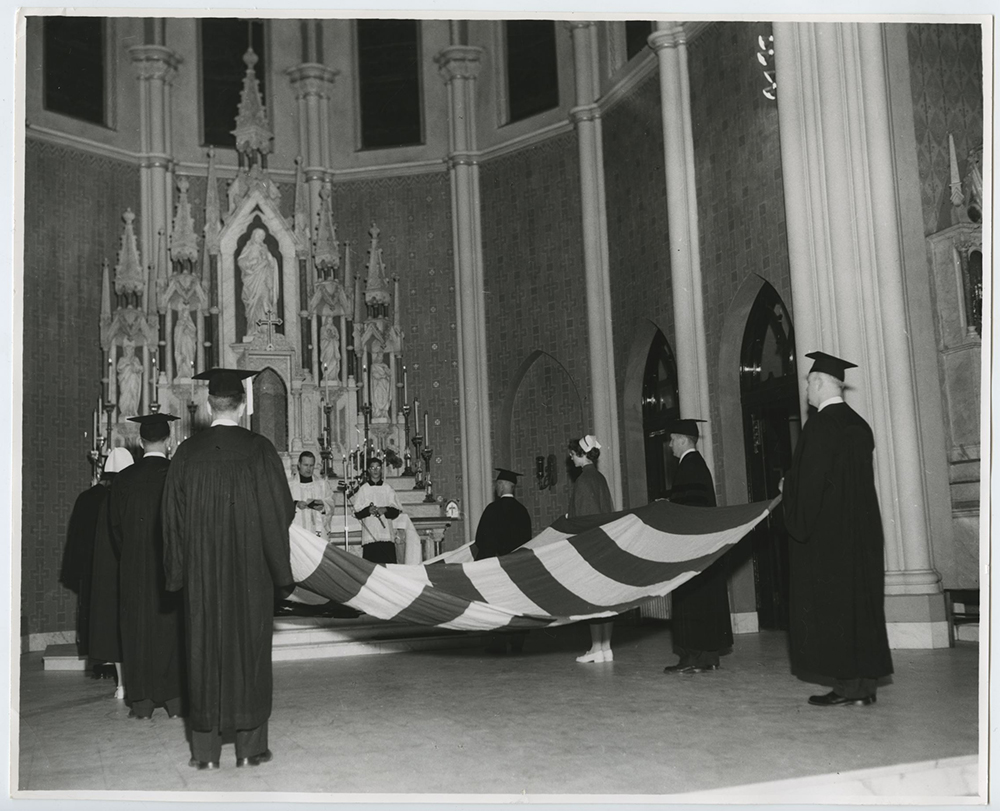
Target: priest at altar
313 500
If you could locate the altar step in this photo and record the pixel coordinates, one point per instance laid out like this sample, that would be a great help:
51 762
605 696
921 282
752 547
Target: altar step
303 638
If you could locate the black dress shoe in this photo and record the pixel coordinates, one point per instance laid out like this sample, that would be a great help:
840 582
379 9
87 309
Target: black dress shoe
255 760
832 699
700 669
678 668
203 765
134 714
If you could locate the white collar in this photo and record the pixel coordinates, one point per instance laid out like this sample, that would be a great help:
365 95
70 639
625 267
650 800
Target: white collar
507 495
835 399
161 454
224 421
689 450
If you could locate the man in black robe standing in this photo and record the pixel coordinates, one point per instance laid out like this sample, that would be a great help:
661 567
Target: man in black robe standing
226 513
151 620
504 526
701 626
836 566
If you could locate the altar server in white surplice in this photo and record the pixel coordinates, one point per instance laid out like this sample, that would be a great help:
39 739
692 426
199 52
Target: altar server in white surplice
313 501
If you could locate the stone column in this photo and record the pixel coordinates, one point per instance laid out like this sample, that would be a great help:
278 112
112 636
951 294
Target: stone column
846 256
690 349
155 66
313 84
586 116
459 65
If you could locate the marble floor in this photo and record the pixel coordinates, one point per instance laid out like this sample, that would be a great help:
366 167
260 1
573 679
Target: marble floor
465 722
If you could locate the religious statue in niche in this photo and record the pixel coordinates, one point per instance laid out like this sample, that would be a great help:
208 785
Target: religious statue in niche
260 279
129 381
381 387
329 343
185 341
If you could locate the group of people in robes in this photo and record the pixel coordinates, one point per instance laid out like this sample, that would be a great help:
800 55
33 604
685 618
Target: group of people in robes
837 630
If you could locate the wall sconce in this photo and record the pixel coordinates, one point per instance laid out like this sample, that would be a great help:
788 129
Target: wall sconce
546 471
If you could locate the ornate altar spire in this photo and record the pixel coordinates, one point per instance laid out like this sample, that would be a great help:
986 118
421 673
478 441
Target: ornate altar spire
213 216
326 248
253 132
129 278
183 240
301 212
377 287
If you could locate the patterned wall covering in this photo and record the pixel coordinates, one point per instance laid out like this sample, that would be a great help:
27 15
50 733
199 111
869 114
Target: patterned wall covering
946 63
536 300
67 236
741 206
414 216
639 249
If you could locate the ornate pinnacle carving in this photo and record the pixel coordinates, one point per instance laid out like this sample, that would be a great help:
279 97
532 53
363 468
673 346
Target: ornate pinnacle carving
326 248
129 278
213 217
377 287
253 132
301 213
459 62
183 240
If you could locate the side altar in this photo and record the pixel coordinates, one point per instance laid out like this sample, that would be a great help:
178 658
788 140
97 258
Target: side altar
276 294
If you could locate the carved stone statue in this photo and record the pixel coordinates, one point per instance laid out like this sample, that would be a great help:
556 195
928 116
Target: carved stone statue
381 390
129 381
329 342
260 279
185 344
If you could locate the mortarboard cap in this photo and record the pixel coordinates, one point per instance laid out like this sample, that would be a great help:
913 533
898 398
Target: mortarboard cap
686 428
504 475
153 427
225 382
828 364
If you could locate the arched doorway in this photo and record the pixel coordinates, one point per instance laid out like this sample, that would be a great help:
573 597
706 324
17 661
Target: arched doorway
270 408
660 407
771 423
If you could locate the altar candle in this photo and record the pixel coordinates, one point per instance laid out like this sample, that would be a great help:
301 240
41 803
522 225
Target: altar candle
366 382
111 372
406 388
94 439
416 415
427 431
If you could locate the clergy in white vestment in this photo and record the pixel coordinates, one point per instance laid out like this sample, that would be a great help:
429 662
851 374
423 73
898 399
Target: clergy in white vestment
313 502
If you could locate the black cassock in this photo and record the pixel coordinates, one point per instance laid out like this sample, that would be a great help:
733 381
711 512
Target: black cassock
503 527
836 568
226 512
105 639
700 619
78 556
151 619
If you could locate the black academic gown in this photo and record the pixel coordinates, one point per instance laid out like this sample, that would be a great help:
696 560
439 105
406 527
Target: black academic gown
700 619
151 619
226 513
503 527
78 557
105 638
836 567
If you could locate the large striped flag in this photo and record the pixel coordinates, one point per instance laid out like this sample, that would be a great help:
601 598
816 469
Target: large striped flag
578 568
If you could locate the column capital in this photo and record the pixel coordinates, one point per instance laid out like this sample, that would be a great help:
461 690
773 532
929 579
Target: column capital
463 159
311 79
669 36
459 62
155 61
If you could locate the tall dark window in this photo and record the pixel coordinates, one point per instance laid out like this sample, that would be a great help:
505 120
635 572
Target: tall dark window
223 43
73 54
389 83
636 34
532 74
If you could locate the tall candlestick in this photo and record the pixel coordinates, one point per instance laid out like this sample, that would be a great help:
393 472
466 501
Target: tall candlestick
416 415
366 383
93 442
427 431
406 388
